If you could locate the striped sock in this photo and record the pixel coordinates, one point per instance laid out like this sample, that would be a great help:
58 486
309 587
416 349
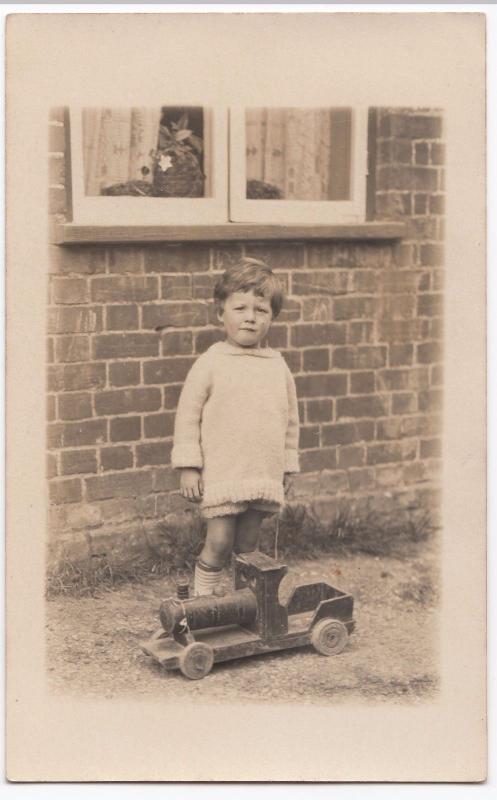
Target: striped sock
206 578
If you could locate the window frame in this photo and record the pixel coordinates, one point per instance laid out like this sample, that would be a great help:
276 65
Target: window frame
139 211
243 210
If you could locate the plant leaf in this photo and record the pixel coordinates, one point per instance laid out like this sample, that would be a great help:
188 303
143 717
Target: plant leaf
183 134
183 121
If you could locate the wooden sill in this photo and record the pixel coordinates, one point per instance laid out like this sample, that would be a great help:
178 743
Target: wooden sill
71 233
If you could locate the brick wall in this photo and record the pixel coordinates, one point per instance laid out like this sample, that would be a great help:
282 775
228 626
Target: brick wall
361 331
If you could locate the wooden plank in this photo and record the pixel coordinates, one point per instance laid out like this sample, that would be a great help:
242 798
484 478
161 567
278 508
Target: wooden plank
71 233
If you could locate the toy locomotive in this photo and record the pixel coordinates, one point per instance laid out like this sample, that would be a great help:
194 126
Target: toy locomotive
200 631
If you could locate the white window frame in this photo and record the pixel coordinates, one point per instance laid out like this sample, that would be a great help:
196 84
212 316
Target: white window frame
242 209
132 211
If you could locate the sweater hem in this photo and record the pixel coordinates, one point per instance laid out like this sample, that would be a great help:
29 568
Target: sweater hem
244 490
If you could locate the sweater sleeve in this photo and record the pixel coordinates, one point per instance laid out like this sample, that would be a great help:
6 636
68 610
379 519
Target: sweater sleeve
292 432
186 446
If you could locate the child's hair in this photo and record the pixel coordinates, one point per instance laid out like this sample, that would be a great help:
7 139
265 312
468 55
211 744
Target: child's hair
250 274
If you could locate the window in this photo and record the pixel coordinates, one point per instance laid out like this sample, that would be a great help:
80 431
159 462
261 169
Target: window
157 166
169 165
298 165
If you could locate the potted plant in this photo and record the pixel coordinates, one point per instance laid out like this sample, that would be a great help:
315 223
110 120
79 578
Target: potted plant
177 169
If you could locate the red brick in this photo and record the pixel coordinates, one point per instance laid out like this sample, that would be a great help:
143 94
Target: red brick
227 256
320 282
366 406
349 255
365 281
360 332
430 305
166 479
362 383
421 228
74 319
416 426
121 318
203 285
414 472
55 435
401 330
390 428
291 311
123 401
92 431
316 460
56 138
124 373
407 178
436 328
359 357
82 376
166 370
422 154
278 336
437 375
437 204
124 259
401 379
421 203
158 425
319 410
51 466
351 457
403 255
388 475
72 348
127 484
354 307
393 204
125 345
293 359
430 448
437 153
125 429
360 479
171 396
321 385
347 433
69 290
50 350
65 491
177 343
397 306
316 360
432 255
78 461
429 352
411 126
301 408
51 408
78 259
176 287
204 339
74 406
430 400
404 403
177 258
277 256
309 437
400 355
399 281
391 451
156 453
316 335
438 279
175 315
116 457
124 289
317 309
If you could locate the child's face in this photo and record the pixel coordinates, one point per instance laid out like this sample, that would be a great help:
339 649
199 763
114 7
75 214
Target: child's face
246 318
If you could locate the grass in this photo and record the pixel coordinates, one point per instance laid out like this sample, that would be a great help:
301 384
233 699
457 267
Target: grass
299 531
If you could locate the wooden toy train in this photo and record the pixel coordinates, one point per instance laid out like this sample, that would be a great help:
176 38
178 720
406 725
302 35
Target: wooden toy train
197 632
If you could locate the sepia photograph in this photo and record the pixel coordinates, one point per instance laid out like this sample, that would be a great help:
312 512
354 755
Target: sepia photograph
246 304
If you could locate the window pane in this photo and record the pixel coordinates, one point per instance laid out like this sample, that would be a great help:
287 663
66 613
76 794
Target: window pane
298 154
145 152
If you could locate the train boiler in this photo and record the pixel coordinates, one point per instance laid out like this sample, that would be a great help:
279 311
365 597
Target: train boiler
197 632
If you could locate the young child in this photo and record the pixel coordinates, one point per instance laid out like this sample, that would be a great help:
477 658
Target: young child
236 429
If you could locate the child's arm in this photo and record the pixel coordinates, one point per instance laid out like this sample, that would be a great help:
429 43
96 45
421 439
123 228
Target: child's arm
187 453
292 432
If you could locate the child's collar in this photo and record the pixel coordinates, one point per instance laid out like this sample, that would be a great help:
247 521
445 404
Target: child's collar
260 352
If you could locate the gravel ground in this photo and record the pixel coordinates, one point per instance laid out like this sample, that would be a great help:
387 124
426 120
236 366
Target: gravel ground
93 643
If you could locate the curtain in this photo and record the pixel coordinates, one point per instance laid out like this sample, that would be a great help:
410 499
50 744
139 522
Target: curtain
304 152
116 145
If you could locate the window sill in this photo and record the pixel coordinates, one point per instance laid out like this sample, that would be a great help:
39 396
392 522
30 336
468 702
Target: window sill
71 233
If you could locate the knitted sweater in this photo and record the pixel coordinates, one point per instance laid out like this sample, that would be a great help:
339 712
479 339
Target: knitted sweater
237 420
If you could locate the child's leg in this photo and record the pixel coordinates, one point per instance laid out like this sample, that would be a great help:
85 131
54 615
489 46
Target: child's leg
215 552
248 530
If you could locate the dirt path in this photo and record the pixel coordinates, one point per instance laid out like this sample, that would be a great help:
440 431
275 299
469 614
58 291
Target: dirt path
93 644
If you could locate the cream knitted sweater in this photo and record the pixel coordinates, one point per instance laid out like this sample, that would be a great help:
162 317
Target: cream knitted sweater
237 420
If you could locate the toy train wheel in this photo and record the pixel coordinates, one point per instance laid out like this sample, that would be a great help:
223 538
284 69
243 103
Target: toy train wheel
196 660
329 637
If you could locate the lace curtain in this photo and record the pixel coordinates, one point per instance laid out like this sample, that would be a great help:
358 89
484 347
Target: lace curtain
304 152
116 145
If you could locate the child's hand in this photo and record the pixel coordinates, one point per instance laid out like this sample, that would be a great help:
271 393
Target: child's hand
191 486
287 482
